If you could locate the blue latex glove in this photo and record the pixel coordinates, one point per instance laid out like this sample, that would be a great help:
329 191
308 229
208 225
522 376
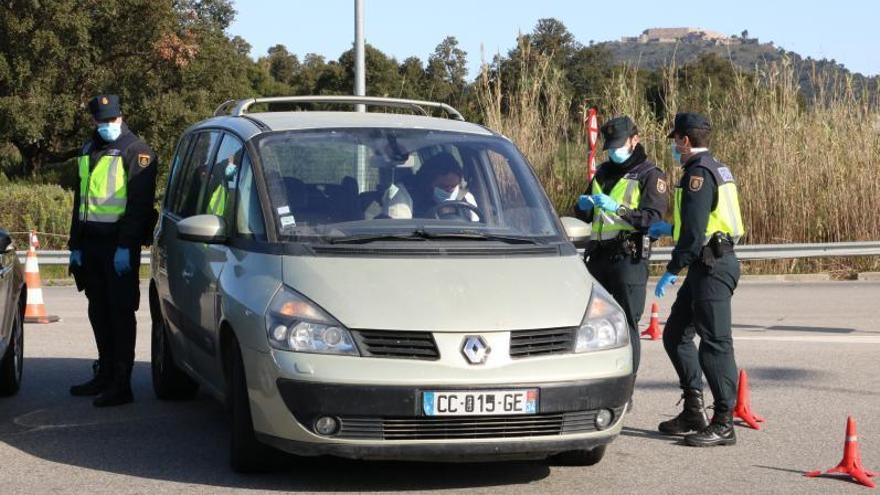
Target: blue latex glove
660 229
585 202
605 202
122 261
76 258
665 281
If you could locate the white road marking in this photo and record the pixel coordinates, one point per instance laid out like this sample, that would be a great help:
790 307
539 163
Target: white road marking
819 339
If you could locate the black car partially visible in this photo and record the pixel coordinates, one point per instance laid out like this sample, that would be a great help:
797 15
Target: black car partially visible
13 300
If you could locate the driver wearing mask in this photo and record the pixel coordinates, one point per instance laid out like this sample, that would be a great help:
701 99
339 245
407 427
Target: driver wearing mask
441 181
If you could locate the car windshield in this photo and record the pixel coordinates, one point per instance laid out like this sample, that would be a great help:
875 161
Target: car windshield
365 185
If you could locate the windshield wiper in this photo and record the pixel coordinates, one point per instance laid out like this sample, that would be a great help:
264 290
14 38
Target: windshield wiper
422 235
416 235
481 236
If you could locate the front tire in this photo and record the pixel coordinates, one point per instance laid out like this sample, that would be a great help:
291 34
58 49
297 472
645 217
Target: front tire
579 457
169 381
246 453
12 365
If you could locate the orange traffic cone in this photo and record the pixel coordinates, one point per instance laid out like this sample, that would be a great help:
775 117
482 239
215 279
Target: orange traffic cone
852 459
743 409
35 312
653 329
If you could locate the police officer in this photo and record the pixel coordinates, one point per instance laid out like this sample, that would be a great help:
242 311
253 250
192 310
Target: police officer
112 217
626 196
707 225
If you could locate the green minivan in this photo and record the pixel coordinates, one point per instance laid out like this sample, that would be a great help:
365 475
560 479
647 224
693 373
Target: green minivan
383 284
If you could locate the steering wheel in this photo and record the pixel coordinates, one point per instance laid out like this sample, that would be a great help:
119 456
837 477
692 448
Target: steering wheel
457 205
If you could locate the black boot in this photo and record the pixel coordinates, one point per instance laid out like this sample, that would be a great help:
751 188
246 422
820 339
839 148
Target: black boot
692 417
119 391
719 432
101 379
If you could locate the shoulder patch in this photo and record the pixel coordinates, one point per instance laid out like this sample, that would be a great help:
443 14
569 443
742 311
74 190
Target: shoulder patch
696 183
661 186
725 174
143 159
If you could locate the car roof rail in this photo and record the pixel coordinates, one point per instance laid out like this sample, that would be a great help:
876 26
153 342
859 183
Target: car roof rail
237 108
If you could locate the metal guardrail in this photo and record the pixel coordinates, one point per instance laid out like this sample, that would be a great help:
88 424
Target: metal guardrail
791 251
661 254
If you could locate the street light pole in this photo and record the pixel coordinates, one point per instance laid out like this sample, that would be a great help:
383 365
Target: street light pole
360 84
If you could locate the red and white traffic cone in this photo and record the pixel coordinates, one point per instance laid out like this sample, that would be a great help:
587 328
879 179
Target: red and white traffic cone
35 312
852 459
743 409
653 331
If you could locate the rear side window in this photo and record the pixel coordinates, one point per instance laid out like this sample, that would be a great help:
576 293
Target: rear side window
217 196
174 176
194 174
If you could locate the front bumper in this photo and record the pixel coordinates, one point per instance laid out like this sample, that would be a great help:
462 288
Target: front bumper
445 452
386 422
379 401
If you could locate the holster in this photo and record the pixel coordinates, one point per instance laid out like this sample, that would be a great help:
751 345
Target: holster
719 245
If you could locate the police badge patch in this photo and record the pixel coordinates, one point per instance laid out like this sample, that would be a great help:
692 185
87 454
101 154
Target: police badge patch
143 160
661 186
695 184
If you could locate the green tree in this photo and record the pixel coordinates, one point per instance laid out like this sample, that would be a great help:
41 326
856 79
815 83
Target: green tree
446 72
171 62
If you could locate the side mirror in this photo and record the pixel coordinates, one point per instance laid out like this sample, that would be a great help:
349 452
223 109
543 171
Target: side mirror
5 242
576 230
209 229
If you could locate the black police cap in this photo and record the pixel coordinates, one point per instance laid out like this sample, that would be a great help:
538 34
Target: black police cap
616 131
688 120
104 107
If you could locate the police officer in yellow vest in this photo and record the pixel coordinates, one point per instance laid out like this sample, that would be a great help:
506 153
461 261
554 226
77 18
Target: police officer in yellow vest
112 217
627 195
707 225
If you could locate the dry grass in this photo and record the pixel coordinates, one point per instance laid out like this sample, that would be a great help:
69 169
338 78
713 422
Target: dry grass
807 171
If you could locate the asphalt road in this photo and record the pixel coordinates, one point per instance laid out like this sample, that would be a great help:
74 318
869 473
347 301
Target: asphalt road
811 350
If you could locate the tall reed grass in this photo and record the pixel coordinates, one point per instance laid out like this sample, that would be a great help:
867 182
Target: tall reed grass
807 171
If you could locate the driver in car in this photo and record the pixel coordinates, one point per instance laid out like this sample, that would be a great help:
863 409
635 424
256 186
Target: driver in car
441 181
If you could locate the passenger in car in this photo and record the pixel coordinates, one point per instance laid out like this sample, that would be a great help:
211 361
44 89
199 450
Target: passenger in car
440 181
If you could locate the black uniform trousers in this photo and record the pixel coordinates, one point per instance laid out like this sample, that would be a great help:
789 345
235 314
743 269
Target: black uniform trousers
626 280
113 301
702 308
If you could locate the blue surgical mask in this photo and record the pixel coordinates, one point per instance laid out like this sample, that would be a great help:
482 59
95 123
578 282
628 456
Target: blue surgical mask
619 155
231 168
441 195
109 131
676 155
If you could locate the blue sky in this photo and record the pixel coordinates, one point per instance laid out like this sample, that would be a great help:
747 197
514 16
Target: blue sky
400 28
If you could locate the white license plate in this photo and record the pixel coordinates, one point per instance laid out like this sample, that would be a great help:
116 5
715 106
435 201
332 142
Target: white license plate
480 403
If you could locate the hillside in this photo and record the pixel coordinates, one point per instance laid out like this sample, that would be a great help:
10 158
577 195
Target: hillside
656 48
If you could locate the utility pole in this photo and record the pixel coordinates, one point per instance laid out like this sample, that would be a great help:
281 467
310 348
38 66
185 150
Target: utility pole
360 87
360 83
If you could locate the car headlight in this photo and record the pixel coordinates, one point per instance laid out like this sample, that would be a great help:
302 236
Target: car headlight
293 323
604 325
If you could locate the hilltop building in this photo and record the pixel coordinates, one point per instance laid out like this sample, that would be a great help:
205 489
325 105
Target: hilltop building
674 35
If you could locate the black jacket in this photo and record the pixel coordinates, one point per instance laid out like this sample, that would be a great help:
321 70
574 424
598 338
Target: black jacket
652 185
133 228
699 196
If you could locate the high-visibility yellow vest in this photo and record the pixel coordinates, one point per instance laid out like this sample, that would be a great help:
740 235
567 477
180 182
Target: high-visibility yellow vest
726 217
217 202
103 190
608 225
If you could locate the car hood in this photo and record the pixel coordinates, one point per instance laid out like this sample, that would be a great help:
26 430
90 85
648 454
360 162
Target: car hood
445 294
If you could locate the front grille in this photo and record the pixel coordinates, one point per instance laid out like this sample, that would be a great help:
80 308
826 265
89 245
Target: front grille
392 344
477 427
528 343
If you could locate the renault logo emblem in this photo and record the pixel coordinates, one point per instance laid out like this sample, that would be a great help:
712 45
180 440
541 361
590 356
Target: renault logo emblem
475 349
